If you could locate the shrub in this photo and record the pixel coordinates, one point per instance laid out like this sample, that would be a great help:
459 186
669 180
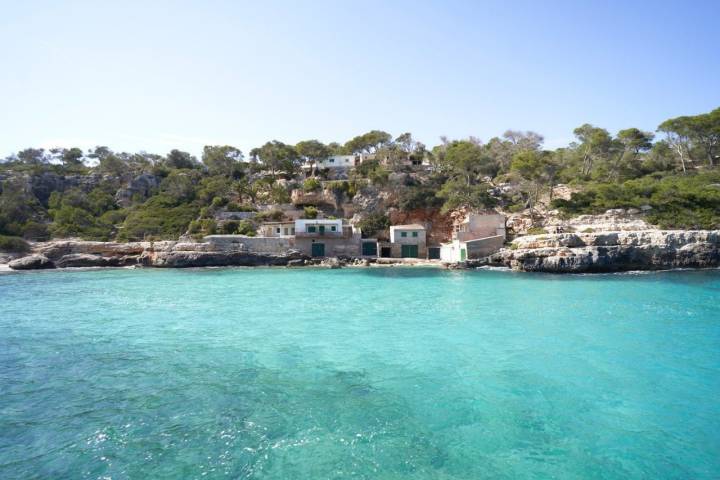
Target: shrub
208 226
194 227
514 246
35 231
229 227
159 217
272 215
310 212
536 231
13 244
677 201
246 228
311 184
373 223
218 202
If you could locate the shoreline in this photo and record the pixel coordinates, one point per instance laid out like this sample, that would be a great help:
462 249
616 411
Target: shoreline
6 270
577 253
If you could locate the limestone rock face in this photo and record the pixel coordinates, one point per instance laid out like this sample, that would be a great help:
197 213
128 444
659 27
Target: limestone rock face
56 249
75 260
612 251
32 262
141 186
185 259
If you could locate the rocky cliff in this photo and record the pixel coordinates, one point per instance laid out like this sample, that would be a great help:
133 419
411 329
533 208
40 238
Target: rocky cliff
169 254
612 251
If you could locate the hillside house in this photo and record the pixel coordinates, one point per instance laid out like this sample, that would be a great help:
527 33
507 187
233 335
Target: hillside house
277 229
407 241
333 162
326 238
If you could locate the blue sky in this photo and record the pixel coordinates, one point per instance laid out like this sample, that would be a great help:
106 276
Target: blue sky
155 75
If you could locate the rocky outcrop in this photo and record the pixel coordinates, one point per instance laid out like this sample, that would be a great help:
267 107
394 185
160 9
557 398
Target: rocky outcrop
32 262
139 188
167 254
612 251
57 249
75 260
188 258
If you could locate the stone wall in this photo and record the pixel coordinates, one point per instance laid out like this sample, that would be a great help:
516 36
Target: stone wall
484 246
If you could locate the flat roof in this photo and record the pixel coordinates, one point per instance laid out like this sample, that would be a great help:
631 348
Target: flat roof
412 226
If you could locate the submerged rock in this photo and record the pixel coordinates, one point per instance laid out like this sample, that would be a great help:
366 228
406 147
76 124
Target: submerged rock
32 262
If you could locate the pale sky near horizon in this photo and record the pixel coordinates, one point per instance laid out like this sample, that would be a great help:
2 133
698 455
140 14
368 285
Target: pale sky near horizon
157 75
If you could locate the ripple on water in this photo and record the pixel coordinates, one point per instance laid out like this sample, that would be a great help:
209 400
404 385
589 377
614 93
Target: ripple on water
378 373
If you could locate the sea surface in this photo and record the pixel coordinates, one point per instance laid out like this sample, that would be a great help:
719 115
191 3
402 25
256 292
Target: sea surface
383 373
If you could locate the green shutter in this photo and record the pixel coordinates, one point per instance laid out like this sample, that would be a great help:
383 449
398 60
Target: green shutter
318 250
369 248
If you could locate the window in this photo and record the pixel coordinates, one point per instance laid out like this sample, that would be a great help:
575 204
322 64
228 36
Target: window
403 234
292 230
311 229
277 230
414 234
333 228
332 160
286 231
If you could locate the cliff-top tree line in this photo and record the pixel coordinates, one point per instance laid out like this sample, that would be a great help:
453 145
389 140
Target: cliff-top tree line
102 194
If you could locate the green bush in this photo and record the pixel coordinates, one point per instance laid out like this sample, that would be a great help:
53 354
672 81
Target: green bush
312 184
230 227
536 231
310 212
677 201
13 244
270 216
373 224
35 231
159 217
218 202
245 228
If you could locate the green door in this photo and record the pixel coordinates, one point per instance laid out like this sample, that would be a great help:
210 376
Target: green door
409 251
434 253
318 249
369 248
463 254
322 229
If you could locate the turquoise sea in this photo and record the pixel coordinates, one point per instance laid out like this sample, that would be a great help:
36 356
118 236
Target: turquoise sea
394 373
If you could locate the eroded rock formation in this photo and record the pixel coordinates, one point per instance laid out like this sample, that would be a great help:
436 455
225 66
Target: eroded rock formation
612 251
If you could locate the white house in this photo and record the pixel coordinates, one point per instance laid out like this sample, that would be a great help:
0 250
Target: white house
318 226
277 229
326 238
408 241
334 162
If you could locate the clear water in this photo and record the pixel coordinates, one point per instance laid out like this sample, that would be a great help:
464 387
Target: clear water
394 373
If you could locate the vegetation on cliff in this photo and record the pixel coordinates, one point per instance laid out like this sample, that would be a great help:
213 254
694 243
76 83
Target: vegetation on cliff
106 195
